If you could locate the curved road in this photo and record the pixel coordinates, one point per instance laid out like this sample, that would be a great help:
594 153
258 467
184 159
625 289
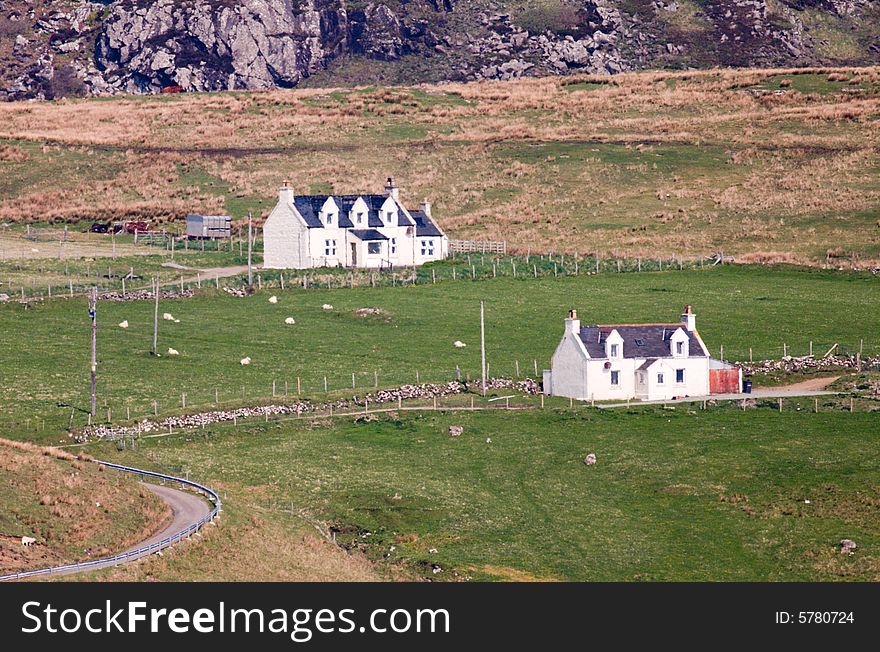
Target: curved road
186 509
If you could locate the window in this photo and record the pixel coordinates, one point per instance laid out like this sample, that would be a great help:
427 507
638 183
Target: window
427 247
374 248
360 218
390 216
615 377
659 379
329 218
679 348
393 246
679 375
614 349
329 247
640 342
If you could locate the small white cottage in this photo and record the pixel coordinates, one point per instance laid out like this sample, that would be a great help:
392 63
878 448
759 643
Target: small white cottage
374 231
630 361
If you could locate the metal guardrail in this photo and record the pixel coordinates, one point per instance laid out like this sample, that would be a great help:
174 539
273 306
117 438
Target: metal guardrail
132 555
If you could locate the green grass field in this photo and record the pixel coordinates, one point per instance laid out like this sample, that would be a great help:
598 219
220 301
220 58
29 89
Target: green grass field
676 494
45 363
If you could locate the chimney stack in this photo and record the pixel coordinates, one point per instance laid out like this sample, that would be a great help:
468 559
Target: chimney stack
285 194
689 319
572 323
392 190
426 207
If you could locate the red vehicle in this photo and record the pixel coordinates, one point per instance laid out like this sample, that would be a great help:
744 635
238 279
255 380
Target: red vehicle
138 226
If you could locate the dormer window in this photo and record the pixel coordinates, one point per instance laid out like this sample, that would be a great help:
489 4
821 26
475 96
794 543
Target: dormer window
390 216
360 218
615 348
678 344
329 219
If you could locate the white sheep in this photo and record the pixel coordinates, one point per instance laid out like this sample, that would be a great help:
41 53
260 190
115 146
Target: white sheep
168 316
458 344
173 351
123 323
327 306
290 321
273 299
245 361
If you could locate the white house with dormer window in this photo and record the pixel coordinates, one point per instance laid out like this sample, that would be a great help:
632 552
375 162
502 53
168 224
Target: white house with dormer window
632 361
375 231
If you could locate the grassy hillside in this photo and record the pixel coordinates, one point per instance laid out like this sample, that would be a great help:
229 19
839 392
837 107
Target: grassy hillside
676 494
45 366
74 509
769 164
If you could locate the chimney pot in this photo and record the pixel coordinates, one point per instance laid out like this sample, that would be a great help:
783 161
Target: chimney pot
572 323
688 318
392 190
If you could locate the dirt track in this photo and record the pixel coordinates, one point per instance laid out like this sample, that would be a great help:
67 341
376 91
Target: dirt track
811 385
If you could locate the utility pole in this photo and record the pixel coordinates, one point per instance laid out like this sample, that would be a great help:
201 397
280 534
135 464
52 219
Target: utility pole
93 313
156 316
483 344
250 247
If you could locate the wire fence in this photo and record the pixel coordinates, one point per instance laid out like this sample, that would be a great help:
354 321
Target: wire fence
142 551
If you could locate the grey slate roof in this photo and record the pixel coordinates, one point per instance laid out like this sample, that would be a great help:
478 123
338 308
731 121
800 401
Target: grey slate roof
367 234
425 226
653 340
310 205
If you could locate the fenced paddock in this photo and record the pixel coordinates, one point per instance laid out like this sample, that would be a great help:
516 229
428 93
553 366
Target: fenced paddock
37 234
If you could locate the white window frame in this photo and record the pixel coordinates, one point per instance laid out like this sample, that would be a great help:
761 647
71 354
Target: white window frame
393 245
360 218
378 245
615 378
660 378
679 348
428 247
613 350
677 372
329 247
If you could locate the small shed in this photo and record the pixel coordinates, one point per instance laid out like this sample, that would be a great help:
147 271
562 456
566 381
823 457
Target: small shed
724 378
201 227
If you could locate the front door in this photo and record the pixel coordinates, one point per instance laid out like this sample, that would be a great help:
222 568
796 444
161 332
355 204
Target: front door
354 254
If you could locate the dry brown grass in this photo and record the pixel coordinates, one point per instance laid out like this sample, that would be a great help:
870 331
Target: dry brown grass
73 508
790 171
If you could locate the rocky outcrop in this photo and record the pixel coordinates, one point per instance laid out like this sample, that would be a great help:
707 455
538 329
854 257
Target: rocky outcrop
50 48
201 46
